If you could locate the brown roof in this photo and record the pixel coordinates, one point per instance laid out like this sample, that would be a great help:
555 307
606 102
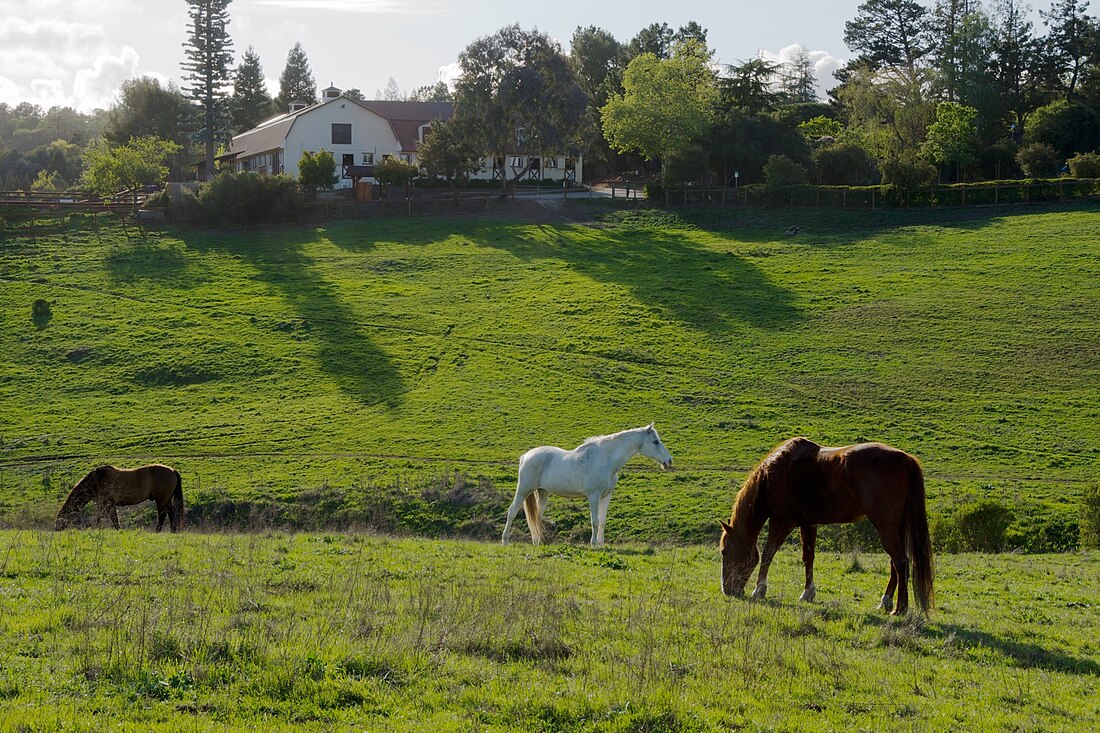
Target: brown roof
405 119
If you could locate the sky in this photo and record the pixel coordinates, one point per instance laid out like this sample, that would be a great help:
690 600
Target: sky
78 52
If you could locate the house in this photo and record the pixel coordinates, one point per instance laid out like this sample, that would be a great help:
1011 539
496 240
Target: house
362 133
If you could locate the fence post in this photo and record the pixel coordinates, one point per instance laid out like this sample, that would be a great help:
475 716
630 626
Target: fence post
872 198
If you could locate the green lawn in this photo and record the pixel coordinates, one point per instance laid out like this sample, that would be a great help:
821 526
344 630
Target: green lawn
306 370
133 631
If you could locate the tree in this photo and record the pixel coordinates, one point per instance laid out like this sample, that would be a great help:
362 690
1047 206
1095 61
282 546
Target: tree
953 137
889 33
109 169
655 39
518 91
666 105
146 109
392 93
317 170
1068 127
1039 160
296 83
798 80
449 152
750 86
209 53
438 92
843 164
251 104
355 94
1015 62
597 59
1071 38
394 172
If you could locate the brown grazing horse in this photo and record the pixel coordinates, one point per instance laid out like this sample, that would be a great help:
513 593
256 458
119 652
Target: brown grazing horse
801 484
110 487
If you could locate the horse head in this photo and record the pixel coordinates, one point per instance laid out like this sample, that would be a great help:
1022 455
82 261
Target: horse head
652 447
84 492
739 558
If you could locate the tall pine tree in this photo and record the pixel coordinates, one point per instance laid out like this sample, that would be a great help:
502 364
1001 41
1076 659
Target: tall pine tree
296 84
209 53
251 104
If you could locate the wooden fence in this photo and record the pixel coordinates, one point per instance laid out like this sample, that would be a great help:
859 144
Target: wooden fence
128 200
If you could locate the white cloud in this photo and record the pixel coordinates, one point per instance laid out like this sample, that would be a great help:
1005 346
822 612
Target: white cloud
824 64
449 73
96 86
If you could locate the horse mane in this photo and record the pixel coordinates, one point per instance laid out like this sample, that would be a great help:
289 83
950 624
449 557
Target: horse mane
773 470
595 439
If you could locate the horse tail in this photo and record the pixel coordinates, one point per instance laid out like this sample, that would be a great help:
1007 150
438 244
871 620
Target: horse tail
534 517
177 501
918 541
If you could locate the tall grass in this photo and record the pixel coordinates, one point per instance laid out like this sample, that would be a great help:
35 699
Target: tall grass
352 632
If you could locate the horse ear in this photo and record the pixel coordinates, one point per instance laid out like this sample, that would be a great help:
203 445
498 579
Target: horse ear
649 427
726 527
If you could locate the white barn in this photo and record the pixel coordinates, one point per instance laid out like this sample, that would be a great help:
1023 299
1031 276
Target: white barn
362 133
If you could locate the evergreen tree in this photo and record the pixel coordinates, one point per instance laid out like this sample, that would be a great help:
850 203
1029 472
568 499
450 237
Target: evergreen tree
1070 41
889 33
251 104
296 84
209 53
798 78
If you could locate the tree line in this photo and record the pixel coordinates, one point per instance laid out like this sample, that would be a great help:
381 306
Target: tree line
954 90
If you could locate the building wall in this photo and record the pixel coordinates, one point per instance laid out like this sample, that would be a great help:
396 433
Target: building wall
313 131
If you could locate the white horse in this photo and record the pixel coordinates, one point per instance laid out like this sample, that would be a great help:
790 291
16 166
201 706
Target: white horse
590 470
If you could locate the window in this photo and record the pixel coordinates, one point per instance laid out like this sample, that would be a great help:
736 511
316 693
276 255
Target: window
341 133
550 162
518 162
368 158
406 158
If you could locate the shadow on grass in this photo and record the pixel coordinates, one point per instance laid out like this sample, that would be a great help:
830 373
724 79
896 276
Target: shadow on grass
1024 654
703 289
344 351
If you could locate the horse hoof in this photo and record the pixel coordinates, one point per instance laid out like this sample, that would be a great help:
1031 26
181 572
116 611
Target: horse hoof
760 593
887 604
808 595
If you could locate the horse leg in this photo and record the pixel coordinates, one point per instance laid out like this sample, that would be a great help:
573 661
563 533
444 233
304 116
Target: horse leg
809 540
513 510
604 502
776 534
162 513
899 573
594 514
110 511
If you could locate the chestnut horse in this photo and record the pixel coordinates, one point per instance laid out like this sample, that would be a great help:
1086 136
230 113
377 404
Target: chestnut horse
801 484
110 487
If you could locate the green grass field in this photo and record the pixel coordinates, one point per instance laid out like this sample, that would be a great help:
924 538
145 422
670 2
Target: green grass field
294 374
385 375
134 631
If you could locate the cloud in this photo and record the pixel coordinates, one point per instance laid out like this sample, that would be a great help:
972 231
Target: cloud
96 86
449 73
824 64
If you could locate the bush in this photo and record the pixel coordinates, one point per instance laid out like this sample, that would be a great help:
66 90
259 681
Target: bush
907 171
1068 127
317 170
780 170
978 527
1040 528
248 198
1090 518
40 309
159 200
1084 165
845 164
1039 160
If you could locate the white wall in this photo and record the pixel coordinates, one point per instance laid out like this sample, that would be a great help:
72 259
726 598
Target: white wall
313 131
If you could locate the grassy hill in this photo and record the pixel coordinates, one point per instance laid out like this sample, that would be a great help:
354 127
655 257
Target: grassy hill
389 372
345 632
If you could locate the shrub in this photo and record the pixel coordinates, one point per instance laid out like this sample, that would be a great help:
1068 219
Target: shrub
982 526
40 309
159 200
1039 160
1068 127
248 198
780 170
317 170
907 171
1085 165
845 164
1090 518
